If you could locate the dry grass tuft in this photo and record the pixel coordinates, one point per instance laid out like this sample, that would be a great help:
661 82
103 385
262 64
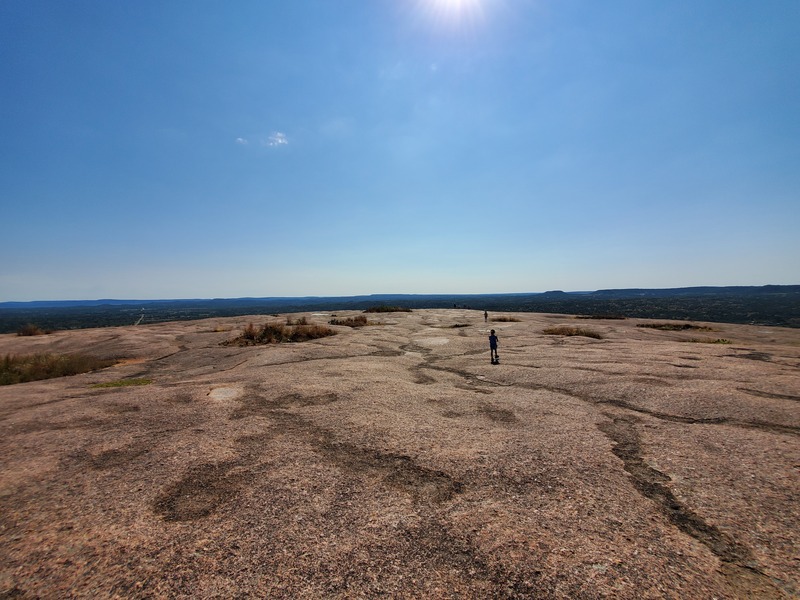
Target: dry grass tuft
31 329
506 319
21 369
359 321
675 326
568 330
603 317
124 383
277 333
386 309
707 341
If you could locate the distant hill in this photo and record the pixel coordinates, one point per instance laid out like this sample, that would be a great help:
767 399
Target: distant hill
765 305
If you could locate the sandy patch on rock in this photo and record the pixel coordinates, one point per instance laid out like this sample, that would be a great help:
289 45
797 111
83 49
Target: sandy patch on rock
224 394
433 341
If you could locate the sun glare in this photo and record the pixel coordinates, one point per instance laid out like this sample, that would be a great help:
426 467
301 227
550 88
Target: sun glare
453 12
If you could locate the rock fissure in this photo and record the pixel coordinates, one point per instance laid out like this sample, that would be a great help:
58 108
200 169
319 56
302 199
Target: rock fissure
738 564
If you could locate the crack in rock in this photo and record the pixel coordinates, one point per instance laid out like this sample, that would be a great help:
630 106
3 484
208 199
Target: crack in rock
772 427
738 564
761 425
769 395
396 470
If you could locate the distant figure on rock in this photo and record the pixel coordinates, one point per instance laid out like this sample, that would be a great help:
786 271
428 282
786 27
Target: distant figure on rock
485 317
493 348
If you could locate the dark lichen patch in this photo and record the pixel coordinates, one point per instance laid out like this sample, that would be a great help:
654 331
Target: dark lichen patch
652 381
204 488
16 593
421 377
35 426
761 356
387 352
435 543
254 404
181 398
121 408
109 459
497 414
398 471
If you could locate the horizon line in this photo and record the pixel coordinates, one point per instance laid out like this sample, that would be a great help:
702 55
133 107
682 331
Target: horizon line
441 294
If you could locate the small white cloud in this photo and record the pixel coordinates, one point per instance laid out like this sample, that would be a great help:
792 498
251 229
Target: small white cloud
242 141
276 139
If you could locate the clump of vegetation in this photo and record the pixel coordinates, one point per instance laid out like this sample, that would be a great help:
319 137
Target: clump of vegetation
31 329
602 317
675 326
568 330
359 321
707 341
458 325
506 319
386 309
277 333
33 367
124 383
300 321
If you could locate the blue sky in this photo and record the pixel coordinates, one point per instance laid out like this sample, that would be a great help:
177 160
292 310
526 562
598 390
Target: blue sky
180 149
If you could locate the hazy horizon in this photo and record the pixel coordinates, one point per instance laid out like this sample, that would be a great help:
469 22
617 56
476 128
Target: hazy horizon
376 294
164 150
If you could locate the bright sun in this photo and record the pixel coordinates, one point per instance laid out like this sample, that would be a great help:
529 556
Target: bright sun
457 5
453 11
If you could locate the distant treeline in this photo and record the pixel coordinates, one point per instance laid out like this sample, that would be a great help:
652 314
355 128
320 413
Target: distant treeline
766 305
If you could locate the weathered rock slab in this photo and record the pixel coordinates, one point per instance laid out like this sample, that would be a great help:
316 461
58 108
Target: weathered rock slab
394 460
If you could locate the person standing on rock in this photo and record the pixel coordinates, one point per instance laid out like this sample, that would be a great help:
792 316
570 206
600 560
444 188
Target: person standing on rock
493 348
485 317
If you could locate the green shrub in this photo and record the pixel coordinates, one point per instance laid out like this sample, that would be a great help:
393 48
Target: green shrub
33 367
